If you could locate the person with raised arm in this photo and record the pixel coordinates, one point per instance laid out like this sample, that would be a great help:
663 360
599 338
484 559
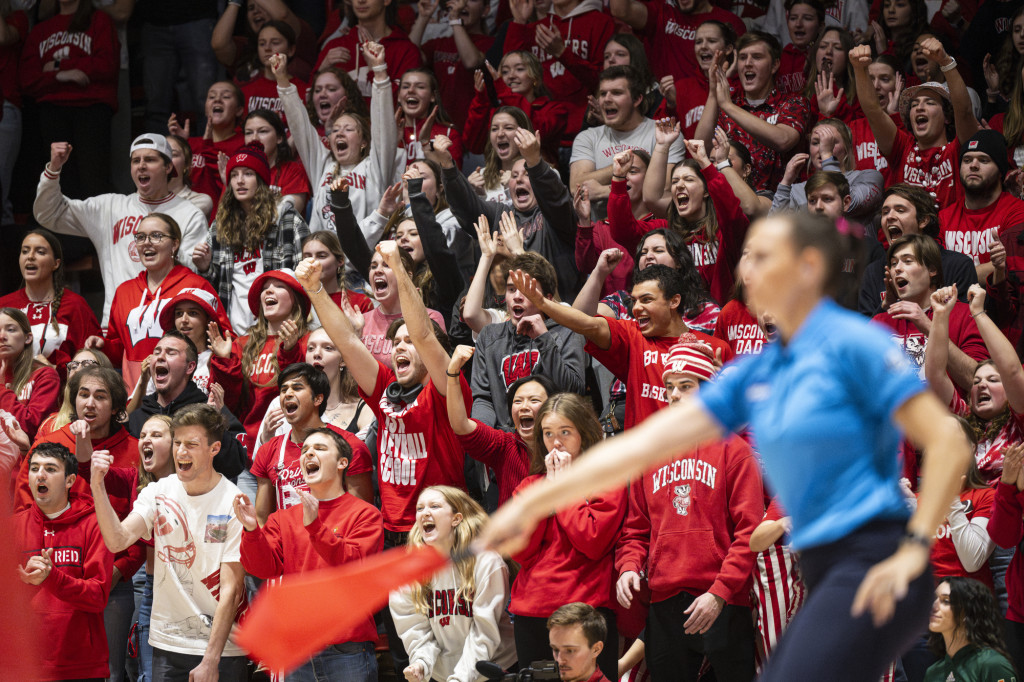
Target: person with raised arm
198 585
416 446
541 205
865 556
633 350
923 154
369 163
109 220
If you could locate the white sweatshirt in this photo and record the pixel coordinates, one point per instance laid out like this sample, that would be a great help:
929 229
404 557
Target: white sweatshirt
457 635
367 179
109 221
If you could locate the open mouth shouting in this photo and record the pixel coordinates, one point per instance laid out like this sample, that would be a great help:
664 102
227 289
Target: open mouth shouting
643 322
705 57
429 529
503 147
921 122
403 365
290 406
901 284
517 311
270 302
749 77
526 422
381 287
147 456
161 374
311 468
183 463
682 200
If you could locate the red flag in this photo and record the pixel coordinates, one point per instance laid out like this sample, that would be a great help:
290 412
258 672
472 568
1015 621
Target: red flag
304 613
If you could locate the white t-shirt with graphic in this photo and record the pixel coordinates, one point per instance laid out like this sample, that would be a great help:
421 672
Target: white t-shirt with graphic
193 535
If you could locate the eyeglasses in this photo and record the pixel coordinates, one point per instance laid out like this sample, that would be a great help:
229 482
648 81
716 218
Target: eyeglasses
152 237
75 364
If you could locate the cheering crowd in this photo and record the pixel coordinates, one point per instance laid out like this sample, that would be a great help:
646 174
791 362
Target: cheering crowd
388 265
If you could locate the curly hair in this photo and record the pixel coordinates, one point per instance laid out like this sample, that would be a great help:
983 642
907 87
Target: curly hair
976 614
240 230
21 370
473 519
695 294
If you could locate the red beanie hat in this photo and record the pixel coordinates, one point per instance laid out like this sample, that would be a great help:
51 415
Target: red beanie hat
253 157
691 356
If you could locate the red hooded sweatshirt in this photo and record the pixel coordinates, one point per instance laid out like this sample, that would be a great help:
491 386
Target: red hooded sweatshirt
134 327
689 523
122 482
569 556
69 603
346 529
549 119
573 76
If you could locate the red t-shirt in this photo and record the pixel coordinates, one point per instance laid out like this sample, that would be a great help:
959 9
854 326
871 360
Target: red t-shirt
937 170
670 34
453 78
639 362
282 464
290 178
737 327
965 231
261 93
945 561
416 447
865 146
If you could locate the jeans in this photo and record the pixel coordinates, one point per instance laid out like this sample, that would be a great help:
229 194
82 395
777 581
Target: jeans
350 661
170 666
166 49
10 144
142 629
824 639
117 619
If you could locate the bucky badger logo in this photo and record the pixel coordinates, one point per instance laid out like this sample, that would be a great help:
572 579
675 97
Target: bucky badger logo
682 499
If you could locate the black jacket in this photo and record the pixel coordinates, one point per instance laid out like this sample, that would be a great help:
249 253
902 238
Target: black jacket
231 460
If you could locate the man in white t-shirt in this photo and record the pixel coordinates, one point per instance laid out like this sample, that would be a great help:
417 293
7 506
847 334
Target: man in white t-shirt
620 93
198 581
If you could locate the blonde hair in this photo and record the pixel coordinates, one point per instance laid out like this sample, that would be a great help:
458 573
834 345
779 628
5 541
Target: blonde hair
237 229
473 519
21 372
145 478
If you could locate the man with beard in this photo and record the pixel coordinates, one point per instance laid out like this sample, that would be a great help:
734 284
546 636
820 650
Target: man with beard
172 366
986 211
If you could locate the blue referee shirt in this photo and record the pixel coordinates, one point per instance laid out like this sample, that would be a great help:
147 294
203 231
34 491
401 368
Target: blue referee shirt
820 408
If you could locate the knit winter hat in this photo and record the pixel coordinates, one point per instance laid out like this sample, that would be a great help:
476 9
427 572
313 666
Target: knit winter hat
989 142
253 157
692 357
